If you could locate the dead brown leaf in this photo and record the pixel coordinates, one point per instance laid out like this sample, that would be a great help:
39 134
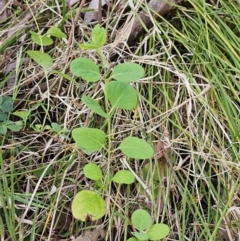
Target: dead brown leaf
95 235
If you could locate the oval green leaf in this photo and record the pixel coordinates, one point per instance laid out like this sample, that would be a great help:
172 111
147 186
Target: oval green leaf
94 106
158 231
124 177
3 129
56 32
121 95
87 204
14 127
40 40
43 59
134 147
92 171
85 68
7 104
128 72
3 116
141 220
90 139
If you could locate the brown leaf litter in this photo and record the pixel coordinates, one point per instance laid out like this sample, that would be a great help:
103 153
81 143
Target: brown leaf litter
95 235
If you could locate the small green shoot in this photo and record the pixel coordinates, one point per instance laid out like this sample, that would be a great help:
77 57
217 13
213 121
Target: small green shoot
55 128
41 58
44 40
142 221
99 37
93 172
6 106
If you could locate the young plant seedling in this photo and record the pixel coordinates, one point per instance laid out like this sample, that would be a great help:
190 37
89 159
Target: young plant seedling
46 40
41 58
118 93
142 222
44 59
6 106
93 172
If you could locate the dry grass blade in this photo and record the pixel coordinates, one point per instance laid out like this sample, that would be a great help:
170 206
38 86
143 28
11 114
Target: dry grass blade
3 11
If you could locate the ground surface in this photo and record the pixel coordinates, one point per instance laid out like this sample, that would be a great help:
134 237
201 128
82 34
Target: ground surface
188 111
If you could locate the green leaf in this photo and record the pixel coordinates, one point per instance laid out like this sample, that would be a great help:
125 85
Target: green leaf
141 236
94 106
141 220
99 36
7 104
124 177
3 116
86 10
136 148
89 138
22 114
56 32
100 184
38 127
85 68
92 171
158 231
40 40
87 45
3 129
14 127
121 95
87 204
43 59
128 72
56 127
47 127
132 239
